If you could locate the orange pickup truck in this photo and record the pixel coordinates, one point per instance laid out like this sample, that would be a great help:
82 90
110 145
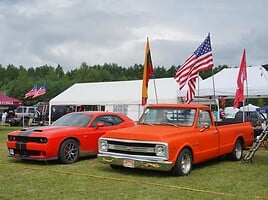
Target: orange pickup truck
173 137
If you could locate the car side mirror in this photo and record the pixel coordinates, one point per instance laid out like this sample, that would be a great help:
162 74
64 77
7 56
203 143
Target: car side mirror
99 125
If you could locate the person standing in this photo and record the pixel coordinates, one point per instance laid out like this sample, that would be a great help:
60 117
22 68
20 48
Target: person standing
4 116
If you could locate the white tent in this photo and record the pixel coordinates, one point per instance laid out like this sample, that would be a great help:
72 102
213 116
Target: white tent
249 107
225 83
118 94
230 112
125 96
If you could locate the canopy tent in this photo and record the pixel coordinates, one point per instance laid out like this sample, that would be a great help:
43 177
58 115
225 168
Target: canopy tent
114 93
263 109
9 101
117 92
249 107
230 112
225 84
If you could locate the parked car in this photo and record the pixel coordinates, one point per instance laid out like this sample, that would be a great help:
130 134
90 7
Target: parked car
22 115
72 136
249 116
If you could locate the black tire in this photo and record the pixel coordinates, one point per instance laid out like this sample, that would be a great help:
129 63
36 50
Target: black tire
69 151
116 167
183 164
237 152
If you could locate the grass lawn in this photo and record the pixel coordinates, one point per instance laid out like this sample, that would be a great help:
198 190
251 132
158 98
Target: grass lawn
89 179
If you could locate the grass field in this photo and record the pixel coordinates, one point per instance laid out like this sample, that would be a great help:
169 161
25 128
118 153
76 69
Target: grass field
89 179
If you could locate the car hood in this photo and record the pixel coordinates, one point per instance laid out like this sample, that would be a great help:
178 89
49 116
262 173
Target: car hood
44 130
148 132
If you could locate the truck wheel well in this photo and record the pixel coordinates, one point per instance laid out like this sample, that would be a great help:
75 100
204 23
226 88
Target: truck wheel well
186 147
241 139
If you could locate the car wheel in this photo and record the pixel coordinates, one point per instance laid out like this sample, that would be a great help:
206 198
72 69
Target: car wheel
183 164
237 152
69 151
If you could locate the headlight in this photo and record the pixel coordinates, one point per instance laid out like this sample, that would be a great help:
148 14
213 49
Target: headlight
103 145
11 138
160 150
43 140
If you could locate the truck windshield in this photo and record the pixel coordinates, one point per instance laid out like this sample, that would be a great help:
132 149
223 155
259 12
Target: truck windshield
176 116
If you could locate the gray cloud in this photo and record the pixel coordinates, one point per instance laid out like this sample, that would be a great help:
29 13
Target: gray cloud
69 32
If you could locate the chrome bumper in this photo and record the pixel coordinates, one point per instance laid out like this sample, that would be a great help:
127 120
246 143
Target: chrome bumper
135 162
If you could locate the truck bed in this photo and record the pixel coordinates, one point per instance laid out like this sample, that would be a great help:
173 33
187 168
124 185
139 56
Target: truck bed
227 122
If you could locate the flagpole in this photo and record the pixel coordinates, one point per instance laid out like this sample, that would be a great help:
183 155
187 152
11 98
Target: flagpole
246 86
155 91
198 88
214 94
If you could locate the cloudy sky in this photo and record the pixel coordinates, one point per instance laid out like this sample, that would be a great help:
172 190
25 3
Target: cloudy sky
69 32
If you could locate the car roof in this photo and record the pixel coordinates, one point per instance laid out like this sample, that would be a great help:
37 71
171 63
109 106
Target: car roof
200 106
98 113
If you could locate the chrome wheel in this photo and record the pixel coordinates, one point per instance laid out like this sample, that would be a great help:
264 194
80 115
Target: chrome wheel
186 163
183 164
237 152
69 151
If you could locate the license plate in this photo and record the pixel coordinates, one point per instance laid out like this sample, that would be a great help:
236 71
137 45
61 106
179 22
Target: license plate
11 152
129 163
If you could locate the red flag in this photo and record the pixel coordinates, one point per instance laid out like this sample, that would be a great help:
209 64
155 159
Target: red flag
223 101
201 60
147 72
242 76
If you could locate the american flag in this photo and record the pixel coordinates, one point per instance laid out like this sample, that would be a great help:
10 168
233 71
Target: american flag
41 91
199 61
32 92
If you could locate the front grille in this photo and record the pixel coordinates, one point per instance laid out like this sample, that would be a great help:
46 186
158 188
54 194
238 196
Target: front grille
26 152
26 139
133 148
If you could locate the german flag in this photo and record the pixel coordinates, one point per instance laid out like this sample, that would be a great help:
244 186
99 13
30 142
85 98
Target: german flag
147 72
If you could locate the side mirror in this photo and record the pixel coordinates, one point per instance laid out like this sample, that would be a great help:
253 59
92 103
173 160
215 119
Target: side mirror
204 126
99 125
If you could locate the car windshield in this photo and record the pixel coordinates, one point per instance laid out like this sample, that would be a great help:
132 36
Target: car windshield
176 116
73 119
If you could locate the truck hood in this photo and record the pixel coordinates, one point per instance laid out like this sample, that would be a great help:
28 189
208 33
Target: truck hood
147 132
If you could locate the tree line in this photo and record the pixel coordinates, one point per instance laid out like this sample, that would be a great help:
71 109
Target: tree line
17 81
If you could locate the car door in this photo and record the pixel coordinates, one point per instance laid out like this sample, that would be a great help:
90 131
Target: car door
208 136
100 126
